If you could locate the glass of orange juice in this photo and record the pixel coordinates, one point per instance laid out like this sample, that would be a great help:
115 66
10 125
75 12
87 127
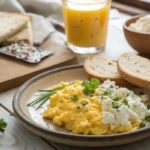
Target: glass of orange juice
86 24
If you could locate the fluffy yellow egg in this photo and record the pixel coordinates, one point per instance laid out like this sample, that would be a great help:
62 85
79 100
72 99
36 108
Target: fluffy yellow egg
79 113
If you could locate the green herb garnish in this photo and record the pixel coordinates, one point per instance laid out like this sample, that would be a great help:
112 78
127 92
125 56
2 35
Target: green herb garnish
3 125
135 96
75 98
108 92
125 102
148 106
84 103
90 86
128 94
115 105
78 107
142 125
116 99
45 95
12 114
147 118
91 95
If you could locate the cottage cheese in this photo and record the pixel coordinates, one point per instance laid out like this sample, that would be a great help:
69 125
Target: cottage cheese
141 25
127 108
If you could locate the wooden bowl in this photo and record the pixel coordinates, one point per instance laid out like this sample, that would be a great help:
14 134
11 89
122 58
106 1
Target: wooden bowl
139 41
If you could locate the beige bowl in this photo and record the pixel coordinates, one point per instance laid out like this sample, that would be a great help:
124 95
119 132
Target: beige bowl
138 41
51 132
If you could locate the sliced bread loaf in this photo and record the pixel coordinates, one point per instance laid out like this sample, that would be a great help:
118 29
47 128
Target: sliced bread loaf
11 23
135 69
103 69
24 35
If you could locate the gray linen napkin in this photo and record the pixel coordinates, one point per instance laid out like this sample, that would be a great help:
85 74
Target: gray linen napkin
11 6
42 27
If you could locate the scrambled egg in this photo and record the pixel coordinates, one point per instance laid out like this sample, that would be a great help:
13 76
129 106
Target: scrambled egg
81 114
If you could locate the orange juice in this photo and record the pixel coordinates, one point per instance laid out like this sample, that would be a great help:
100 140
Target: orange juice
86 27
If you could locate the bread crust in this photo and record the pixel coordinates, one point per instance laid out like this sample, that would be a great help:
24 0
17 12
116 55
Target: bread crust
119 81
15 30
24 35
132 77
15 14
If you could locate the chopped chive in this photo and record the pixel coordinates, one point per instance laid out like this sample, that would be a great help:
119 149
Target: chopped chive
148 106
78 107
116 99
142 125
125 102
147 118
108 92
84 103
75 98
115 105
12 114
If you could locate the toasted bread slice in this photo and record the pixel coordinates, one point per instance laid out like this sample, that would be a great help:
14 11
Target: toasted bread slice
24 35
135 69
11 23
103 69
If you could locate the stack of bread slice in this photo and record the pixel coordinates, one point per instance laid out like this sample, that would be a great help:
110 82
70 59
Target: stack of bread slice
15 27
130 70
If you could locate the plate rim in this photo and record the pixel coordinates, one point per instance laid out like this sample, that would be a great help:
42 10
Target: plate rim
33 124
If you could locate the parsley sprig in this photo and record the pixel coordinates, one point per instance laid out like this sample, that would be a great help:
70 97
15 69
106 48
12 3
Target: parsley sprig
90 86
3 125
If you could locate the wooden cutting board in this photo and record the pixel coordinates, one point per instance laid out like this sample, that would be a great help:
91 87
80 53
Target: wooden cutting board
14 72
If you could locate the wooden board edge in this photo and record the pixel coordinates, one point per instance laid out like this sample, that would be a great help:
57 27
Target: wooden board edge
6 85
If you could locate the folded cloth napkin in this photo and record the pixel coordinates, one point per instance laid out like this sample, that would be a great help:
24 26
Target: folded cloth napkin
51 9
11 6
41 26
42 7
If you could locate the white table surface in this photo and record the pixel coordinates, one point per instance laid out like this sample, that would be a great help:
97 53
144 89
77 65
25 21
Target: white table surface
16 137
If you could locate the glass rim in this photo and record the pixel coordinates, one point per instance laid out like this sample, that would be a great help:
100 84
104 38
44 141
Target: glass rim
87 1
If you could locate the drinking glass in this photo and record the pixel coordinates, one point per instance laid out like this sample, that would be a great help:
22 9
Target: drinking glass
86 24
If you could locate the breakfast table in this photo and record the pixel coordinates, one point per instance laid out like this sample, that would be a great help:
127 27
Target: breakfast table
16 137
